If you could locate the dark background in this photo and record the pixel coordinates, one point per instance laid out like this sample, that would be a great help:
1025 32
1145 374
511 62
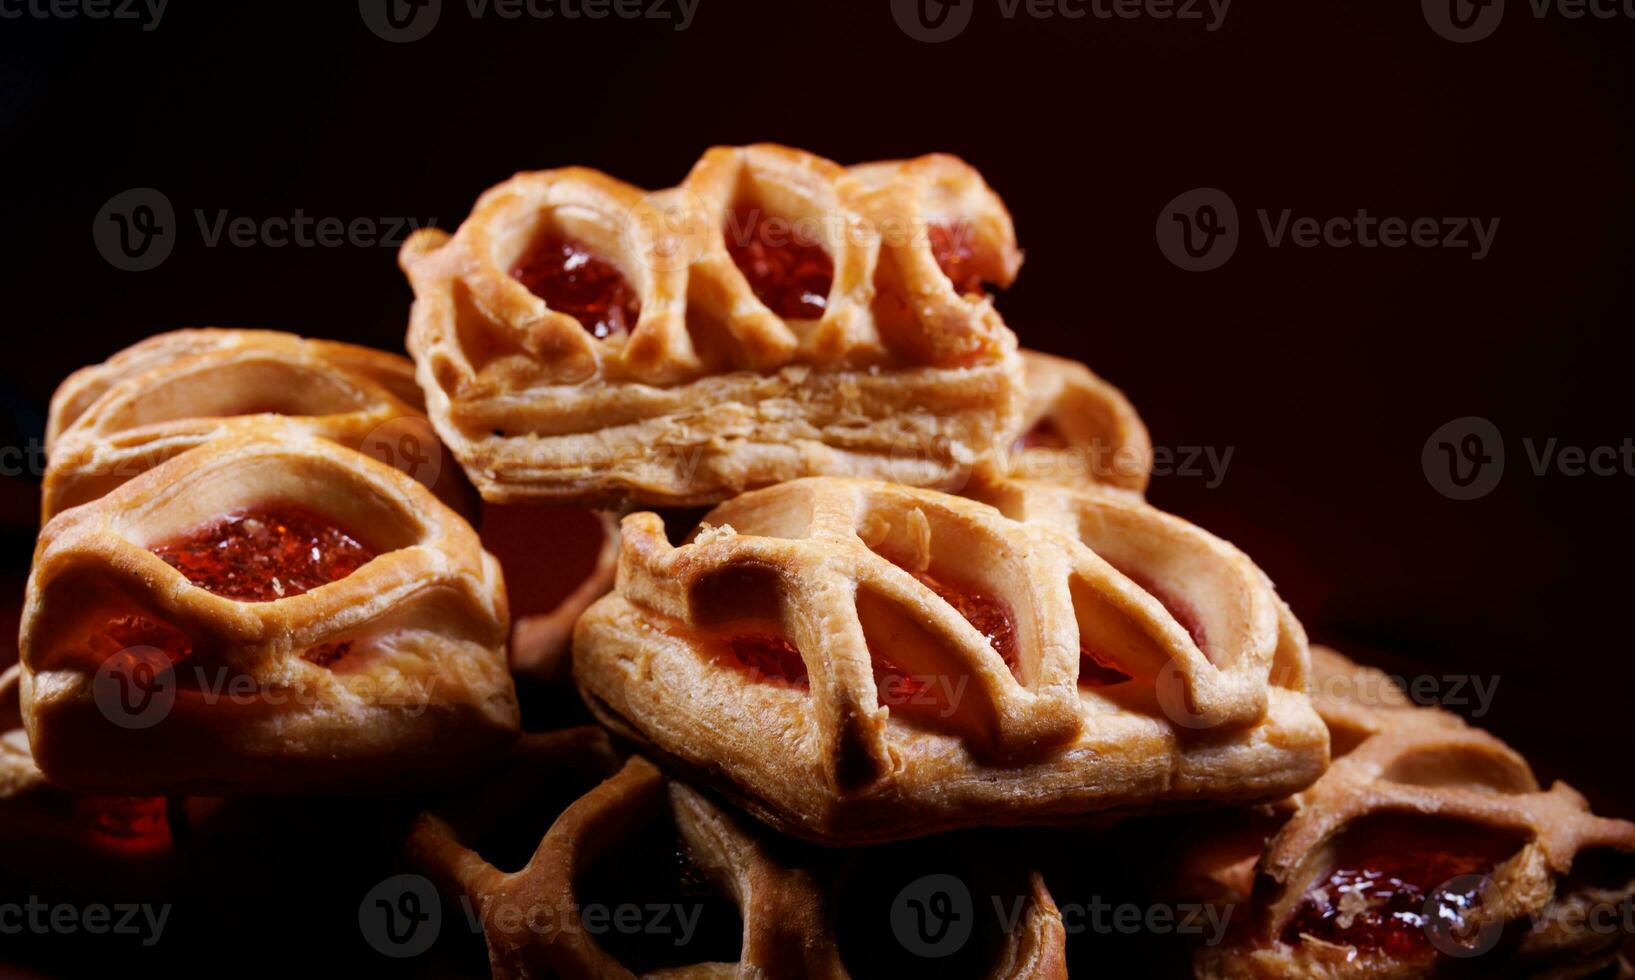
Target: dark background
1324 370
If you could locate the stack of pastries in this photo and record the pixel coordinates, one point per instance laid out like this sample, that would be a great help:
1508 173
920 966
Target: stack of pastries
920 619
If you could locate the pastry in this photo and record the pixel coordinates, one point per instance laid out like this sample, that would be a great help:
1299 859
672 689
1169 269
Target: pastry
774 316
267 612
856 661
172 392
1427 847
1077 430
554 851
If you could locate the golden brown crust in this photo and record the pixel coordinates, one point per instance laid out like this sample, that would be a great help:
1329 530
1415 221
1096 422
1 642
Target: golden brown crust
787 917
711 393
829 562
421 687
1077 430
175 391
1425 762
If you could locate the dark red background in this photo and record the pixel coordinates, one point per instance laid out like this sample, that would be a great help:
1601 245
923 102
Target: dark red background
1324 369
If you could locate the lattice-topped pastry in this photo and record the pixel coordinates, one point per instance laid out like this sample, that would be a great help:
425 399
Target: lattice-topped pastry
173 392
774 316
857 661
1077 430
267 612
556 849
1428 846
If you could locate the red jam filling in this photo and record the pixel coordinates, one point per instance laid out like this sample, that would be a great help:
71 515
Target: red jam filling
790 273
265 554
1043 435
1180 608
326 654
991 617
132 821
571 280
1379 904
1096 670
767 657
132 630
951 247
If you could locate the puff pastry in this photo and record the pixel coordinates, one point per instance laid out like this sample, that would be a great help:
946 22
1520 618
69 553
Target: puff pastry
175 391
267 612
1077 430
856 661
546 913
775 316
1428 845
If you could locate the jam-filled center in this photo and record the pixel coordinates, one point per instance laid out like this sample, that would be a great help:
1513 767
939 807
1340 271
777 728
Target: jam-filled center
1043 435
259 555
766 656
123 821
992 617
1391 897
784 265
1097 669
951 247
573 280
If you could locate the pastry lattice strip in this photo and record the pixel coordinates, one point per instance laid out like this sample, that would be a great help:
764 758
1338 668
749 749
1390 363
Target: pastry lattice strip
788 920
1071 688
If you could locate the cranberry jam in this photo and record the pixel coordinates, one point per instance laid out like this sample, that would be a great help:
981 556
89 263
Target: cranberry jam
262 554
790 273
572 280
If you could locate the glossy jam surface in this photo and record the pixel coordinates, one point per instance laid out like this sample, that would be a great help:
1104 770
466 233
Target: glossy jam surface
131 630
991 617
571 280
1096 670
127 821
767 657
1379 901
790 273
265 554
951 246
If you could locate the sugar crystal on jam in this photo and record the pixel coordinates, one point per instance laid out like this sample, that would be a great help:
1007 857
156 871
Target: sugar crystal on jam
260 555
788 271
572 280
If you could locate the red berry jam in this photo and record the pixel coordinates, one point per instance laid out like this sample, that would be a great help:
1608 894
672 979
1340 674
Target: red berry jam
991 617
789 272
951 246
132 630
130 821
767 657
326 654
265 554
1096 670
571 280
1178 606
1379 901
1043 435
